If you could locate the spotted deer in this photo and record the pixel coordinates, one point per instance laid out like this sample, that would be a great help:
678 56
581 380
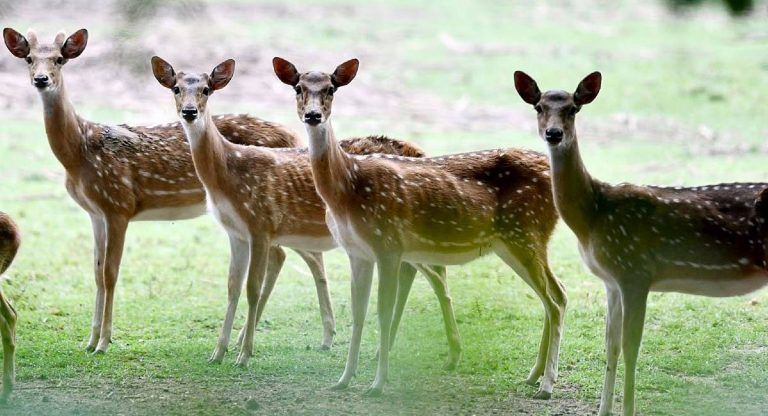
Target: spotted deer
119 174
265 198
439 210
10 240
703 240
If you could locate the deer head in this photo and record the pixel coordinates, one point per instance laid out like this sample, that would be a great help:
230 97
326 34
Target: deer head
314 90
191 91
45 59
557 109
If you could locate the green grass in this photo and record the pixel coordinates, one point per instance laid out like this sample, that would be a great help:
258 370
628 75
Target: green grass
700 356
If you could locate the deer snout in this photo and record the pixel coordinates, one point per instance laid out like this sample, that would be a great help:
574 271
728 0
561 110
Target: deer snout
189 113
553 135
313 118
41 81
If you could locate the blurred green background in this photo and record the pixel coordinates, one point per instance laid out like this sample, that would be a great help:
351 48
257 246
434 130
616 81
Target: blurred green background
682 103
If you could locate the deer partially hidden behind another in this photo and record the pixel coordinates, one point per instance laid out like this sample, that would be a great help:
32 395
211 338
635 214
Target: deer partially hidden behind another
264 198
119 174
705 240
9 245
439 210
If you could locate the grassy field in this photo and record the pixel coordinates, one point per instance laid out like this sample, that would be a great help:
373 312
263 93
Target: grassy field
682 104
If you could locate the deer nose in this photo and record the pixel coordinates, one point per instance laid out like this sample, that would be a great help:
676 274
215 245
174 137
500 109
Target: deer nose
553 135
40 81
312 118
189 113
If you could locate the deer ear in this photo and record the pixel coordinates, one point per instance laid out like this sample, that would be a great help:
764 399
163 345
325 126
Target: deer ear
527 88
345 73
222 74
164 72
75 44
588 89
285 71
16 43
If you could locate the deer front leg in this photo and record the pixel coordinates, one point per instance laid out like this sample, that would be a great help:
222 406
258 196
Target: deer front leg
116 228
362 277
99 249
406 278
389 271
315 262
8 332
436 275
634 301
274 265
238 265
256 271
613 323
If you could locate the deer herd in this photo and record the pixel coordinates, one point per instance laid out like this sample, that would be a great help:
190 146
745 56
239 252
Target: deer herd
389 207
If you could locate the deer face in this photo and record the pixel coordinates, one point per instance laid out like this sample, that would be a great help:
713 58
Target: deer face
44 60
557 109
314 90
191 91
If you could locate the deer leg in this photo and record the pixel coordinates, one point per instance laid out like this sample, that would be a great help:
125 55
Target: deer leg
613 323
389 272
634 302
315 262
116 228
8 332
256 271
362 277
406 278
238 265
436 276
532 268
99 248
274 265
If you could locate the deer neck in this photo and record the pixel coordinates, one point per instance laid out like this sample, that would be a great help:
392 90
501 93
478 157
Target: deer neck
574 189
208 149
331 166
63 127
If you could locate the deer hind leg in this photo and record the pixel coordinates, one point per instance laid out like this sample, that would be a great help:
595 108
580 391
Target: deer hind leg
274 265
257 268
362 277
99 249
436 275
406 278
613 323
634 301
315 262
530 262
238 265
8 333
115 228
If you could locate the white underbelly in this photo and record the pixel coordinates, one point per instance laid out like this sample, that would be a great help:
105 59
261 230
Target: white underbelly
445 259
302 242
347 237
171 213
713 287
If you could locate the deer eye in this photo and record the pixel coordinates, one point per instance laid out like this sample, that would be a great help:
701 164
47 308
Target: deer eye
297 89
206 91
28 59
573 111
538 108
176 90
60 60
331 91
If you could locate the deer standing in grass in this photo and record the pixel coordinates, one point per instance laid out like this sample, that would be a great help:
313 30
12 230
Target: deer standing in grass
265 197
439 210
10 240
705 240
119 174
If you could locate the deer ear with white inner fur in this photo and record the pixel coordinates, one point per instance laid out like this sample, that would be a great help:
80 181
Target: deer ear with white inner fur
163 72
75 44
588 89
345 73
285 71
527 88
16 43
222 74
